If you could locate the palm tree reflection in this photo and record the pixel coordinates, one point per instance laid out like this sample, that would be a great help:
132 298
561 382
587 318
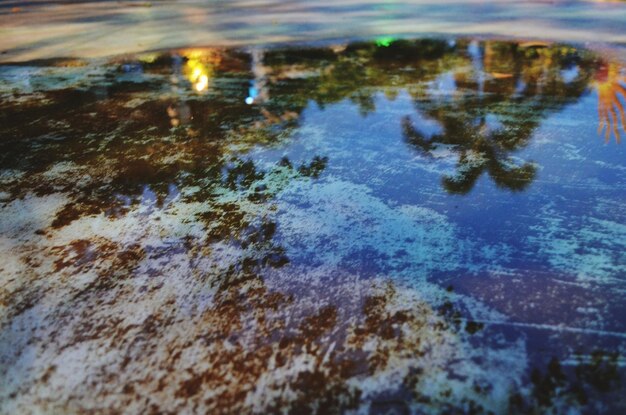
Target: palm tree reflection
609 83
212 264
494 106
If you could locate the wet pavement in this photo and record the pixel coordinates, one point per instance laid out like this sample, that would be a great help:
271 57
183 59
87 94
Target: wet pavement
429 225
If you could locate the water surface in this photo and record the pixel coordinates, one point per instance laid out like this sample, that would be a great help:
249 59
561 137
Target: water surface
394 226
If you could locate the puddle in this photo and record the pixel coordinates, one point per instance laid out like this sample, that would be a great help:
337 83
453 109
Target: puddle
394 226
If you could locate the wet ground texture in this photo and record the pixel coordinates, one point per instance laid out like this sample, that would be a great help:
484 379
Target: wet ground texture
386 226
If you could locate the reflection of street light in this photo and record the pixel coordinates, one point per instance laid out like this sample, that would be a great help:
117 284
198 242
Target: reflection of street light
258 91
202 83
200 67
197 74
252 94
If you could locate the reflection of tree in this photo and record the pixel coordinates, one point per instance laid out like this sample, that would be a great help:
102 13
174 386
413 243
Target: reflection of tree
565 389
170 135
478 152
355 72
495 107
609 83
501 93
247 345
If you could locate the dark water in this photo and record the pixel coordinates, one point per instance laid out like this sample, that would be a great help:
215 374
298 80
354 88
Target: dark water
395 226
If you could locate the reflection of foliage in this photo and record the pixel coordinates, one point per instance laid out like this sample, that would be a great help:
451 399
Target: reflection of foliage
610 85
484 123
309 348
546 385
477 154
500 95
521 84
356 72
558 388
156 142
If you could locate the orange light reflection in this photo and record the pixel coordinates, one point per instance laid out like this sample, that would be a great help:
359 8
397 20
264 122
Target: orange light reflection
610 86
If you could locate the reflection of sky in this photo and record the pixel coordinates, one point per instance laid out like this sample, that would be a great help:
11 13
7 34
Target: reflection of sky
476 54
444 85
570 74
379 211
580 181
